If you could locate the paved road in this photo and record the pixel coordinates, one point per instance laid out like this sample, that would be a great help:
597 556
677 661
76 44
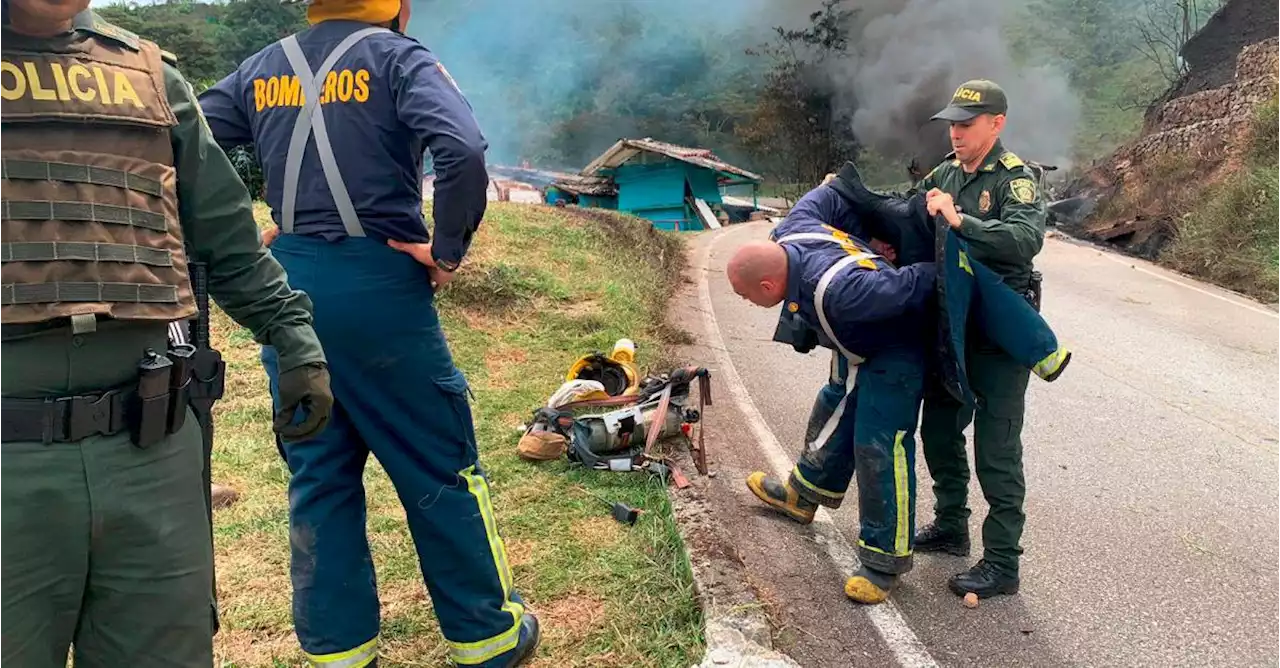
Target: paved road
1151 471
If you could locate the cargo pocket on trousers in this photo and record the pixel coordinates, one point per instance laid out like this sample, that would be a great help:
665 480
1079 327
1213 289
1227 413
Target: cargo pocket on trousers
461 427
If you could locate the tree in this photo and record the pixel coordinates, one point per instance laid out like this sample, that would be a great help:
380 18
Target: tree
1164 26
795 130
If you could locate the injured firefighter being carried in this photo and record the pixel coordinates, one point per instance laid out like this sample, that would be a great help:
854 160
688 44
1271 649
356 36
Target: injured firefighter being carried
830 263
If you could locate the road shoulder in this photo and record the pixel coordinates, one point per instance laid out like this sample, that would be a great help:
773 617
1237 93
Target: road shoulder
757 572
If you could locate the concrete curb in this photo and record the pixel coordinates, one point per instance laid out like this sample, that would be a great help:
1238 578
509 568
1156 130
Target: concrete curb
736 629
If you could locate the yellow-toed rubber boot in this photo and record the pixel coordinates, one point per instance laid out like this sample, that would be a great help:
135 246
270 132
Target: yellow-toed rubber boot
870 586
781 497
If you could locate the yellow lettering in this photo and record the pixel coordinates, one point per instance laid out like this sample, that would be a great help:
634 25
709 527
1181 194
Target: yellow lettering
75 73
969 94
330 88
273 91
259 94
38 92
362 85
124 91
60 82
102 85
290 91
345 82
19 87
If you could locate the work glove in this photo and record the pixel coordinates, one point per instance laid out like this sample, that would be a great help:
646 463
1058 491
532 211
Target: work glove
305 387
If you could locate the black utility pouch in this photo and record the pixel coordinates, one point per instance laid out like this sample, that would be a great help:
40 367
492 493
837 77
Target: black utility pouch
149 419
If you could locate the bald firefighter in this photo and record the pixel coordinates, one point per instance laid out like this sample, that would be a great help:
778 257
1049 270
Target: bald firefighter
340 115
112 188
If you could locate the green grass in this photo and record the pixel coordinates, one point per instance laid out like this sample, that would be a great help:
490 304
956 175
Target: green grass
1229 236
541 287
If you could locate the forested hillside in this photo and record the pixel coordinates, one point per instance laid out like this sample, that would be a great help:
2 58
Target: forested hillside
788 89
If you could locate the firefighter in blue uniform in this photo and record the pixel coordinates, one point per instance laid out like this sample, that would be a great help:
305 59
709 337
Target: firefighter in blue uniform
875 315
339 116
891 307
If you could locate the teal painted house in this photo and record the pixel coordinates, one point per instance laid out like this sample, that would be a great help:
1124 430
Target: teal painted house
676 187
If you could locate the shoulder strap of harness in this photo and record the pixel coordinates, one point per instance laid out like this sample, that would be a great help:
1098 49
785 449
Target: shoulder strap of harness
311 119
820 292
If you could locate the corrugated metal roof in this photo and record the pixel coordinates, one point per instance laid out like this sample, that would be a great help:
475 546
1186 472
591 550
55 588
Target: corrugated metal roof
595 186
626 149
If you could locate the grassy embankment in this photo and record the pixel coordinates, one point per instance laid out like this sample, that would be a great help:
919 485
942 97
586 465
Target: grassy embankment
541 287
1229 235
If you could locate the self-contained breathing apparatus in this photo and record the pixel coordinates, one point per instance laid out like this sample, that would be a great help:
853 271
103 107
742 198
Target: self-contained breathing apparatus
621 439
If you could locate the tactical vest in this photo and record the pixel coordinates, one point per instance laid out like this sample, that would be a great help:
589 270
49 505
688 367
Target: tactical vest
90 207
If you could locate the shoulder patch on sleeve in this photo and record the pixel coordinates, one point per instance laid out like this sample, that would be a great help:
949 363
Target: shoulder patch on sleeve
96 25
1023 189
1010 161
449 77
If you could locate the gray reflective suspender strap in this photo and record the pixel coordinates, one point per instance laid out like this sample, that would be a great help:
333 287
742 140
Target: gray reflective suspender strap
819 295
311 119
820 292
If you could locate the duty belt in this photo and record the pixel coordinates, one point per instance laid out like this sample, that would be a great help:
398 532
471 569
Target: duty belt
65 419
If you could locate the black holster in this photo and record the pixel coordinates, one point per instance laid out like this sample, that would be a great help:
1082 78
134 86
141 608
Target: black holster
1035 290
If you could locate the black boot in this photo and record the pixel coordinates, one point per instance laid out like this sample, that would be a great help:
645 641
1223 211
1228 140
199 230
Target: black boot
933 539
985 580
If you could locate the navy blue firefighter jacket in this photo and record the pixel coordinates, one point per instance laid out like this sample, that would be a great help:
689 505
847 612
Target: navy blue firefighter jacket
933 301
384 102
868 305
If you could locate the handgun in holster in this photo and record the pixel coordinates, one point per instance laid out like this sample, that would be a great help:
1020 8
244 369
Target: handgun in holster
180 384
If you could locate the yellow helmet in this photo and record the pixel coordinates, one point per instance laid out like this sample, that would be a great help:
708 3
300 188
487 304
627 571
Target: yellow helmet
365 11
617 371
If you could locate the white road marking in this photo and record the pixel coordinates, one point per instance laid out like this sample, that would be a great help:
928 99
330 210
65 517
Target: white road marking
888 621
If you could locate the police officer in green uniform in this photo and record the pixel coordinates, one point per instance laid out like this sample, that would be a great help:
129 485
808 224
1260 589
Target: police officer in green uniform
990 198
112 186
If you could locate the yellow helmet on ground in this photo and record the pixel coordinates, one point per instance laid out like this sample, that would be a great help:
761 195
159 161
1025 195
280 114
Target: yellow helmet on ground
617 371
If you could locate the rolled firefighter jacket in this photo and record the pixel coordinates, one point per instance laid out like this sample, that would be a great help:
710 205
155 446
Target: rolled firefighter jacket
965 288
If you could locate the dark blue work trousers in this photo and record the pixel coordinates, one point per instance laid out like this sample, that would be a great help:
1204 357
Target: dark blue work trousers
398 395
866 425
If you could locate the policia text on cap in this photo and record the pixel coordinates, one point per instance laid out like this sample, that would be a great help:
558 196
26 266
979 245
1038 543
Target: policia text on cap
113 186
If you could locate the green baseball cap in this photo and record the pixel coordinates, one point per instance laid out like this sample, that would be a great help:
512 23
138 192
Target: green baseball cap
972 98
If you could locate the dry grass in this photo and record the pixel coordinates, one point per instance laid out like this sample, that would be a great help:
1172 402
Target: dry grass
541 286
1229 235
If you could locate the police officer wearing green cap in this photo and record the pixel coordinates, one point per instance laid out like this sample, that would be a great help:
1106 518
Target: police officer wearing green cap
990 198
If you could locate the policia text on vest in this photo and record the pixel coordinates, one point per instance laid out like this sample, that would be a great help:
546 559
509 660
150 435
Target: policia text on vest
69 80
113 189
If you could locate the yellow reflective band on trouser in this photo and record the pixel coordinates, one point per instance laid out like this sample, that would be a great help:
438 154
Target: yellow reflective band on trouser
472 653
1050 365
352 658
901 486
902 499
964 263
795 472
